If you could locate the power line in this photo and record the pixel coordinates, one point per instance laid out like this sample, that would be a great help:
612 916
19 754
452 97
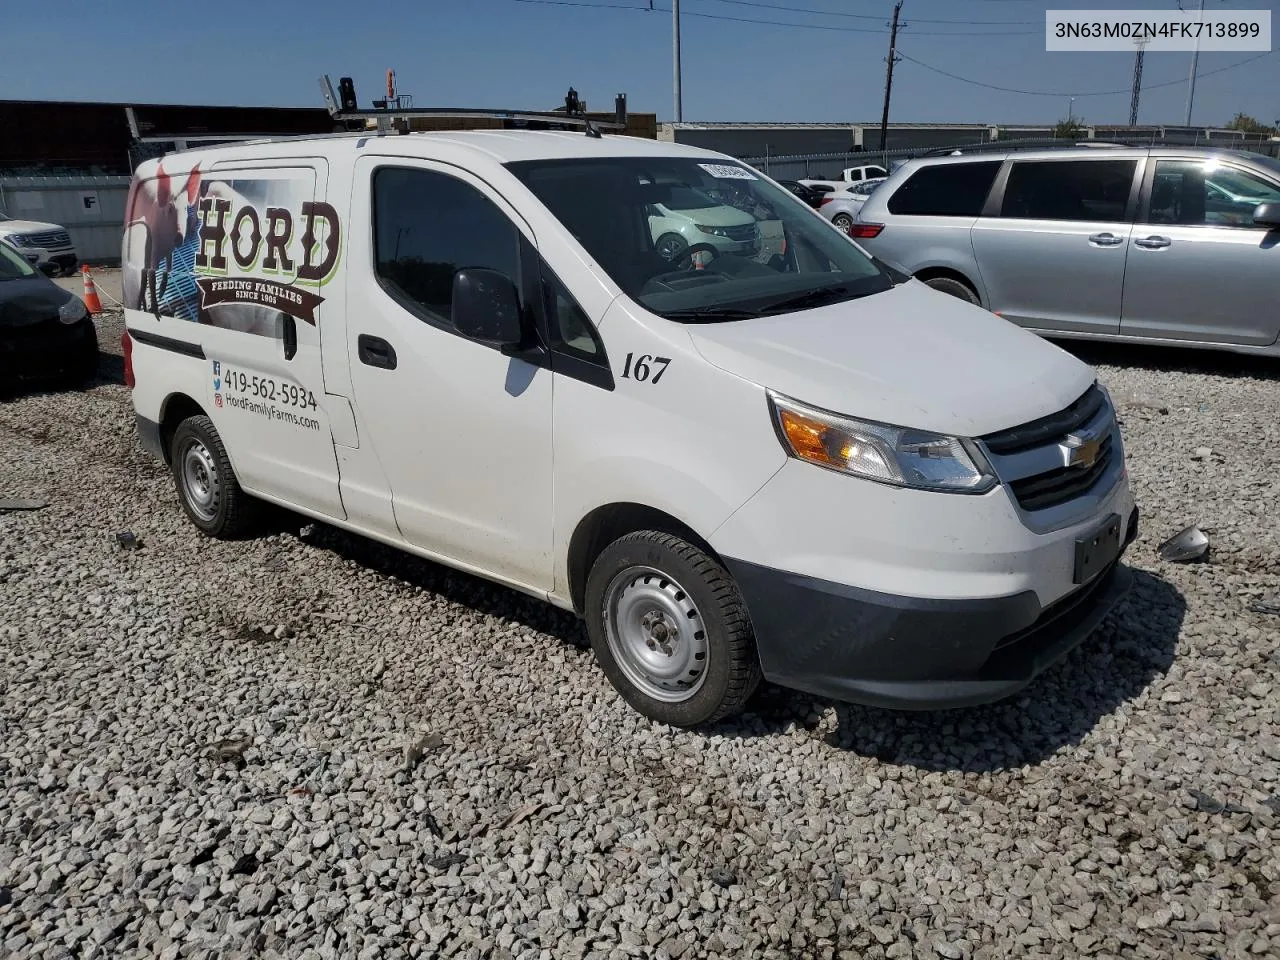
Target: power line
871 16
1098 93
780 23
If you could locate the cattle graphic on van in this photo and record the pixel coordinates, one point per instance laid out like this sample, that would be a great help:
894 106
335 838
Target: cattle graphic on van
241 252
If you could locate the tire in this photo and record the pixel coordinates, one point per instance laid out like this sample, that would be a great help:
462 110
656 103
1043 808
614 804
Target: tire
206 484
955 288
843 222
639 587
674 242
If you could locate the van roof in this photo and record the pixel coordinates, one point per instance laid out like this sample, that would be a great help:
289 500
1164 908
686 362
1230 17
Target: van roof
494 146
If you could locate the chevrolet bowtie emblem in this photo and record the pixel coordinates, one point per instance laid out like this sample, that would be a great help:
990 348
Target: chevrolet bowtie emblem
1082 451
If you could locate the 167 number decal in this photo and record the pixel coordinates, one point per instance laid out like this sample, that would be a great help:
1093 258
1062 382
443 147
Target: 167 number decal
643 366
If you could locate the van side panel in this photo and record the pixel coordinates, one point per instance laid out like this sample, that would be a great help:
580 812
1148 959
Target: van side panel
226 268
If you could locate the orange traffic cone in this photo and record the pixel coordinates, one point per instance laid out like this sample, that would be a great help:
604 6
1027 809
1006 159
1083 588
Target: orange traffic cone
91 301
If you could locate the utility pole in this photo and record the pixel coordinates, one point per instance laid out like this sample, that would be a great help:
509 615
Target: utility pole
1191 79
1137 81
888 86
675 54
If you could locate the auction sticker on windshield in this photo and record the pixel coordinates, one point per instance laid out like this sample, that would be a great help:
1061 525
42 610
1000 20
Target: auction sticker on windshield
726 171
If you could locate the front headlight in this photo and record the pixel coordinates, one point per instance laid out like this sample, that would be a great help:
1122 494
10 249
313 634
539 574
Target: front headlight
13 239
875 451
72 310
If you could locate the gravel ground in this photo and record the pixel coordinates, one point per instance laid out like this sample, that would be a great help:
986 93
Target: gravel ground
310 746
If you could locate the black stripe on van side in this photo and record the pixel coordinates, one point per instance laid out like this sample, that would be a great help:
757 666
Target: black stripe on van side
167 343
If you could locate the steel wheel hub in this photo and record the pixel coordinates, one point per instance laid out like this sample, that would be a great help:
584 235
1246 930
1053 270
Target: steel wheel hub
656 634
200 480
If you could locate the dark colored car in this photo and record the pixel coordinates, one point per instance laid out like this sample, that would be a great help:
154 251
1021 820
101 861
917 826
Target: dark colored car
45 332
808 194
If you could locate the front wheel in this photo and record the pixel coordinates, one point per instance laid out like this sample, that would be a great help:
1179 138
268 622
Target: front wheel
207 486
670 630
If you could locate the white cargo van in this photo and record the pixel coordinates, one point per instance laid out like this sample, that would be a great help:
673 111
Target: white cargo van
782 459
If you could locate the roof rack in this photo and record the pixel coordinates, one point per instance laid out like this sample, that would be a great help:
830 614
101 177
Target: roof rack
1009 146
344 107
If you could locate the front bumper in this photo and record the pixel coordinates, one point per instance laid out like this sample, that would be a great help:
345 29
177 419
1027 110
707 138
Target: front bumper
906 653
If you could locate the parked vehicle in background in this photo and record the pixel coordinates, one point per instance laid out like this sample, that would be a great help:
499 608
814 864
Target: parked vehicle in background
687 216
45 331
809 194
852 175
46 246
841 206
801 465
1172 245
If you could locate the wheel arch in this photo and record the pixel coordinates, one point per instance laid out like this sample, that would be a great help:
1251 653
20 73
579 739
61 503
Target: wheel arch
607 523
925 274
176 408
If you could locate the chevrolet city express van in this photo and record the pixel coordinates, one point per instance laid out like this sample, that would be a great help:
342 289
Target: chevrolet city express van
796 464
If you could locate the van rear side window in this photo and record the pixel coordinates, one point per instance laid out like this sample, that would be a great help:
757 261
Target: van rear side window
946 190
427 227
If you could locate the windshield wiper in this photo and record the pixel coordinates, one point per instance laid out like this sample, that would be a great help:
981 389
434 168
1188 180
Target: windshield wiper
811 298
709 314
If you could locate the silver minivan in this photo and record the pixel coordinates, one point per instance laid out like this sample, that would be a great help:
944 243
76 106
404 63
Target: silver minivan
1171 245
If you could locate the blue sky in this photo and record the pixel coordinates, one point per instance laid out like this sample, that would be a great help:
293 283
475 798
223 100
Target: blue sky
508 53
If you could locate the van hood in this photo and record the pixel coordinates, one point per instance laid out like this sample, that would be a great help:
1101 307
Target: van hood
911 356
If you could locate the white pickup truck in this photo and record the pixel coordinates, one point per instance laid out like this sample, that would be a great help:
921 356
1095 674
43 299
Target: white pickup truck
850 176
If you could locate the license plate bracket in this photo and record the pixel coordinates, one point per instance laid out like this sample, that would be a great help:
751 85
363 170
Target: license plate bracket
1096 550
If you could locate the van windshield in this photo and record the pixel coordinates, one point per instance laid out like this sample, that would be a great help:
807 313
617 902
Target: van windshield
700 241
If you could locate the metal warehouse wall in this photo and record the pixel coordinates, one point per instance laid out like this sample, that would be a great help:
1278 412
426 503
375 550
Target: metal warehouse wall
91 208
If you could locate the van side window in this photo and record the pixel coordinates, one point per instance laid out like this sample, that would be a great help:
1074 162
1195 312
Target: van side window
1068 189
427 227
1196 193
946 190
569 328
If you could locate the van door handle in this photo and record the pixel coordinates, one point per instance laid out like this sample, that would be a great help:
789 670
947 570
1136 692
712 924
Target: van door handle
1105 240
376 352
290 337
1153 243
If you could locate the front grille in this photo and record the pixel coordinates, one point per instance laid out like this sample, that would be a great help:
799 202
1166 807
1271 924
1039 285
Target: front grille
1050 429
50 239
741 234
1029 458
1066 483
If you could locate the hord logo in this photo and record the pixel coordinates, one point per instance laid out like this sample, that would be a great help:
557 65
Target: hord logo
261 242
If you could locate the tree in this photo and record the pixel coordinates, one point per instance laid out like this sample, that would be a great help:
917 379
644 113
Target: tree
1069 129
1246 124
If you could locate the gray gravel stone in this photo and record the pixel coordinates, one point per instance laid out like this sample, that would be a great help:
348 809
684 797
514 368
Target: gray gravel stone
1062 823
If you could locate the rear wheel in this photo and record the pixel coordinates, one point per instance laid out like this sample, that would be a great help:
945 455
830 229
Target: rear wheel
843 223
207 486
955 288
670 630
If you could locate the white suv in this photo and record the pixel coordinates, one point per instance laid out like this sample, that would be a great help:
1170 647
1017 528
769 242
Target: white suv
688 218
44 245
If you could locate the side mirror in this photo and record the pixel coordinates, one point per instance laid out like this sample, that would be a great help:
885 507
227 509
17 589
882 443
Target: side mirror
486 307
1267 215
